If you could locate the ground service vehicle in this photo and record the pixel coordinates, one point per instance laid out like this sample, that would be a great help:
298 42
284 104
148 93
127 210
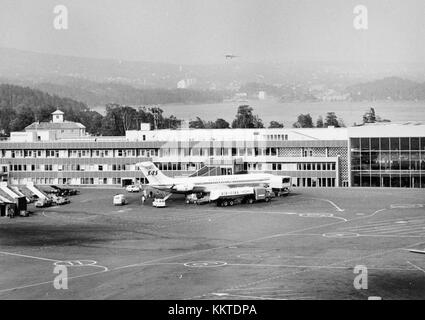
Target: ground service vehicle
65 191
159 203
119 200
58 200
43 202
133 188
234 196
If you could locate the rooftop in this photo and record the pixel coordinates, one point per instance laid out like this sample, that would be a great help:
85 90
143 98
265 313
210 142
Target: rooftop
389 129
55 125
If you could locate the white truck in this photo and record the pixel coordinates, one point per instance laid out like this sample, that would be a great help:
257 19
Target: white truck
119 200
159 203
232 196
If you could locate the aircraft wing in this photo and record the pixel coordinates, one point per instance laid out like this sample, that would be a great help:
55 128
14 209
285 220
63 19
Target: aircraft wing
212 187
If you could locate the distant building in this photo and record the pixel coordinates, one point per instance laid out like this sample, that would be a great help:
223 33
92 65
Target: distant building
181 84
186 83
372 155
57 128
262 95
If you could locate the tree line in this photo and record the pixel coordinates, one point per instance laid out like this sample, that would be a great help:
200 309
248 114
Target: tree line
21 106
245 118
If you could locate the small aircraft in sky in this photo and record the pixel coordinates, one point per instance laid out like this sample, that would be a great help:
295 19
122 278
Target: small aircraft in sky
230 56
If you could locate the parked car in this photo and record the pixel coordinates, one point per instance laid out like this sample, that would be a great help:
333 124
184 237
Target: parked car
159 203
43 202
32 198
58 200
119 200
51 191
133 188
65 191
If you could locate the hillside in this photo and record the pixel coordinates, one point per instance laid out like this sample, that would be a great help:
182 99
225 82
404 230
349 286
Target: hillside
392 88
21 106
95 94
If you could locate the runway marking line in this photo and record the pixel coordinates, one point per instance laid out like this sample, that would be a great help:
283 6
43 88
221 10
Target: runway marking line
217 248
416 267
329 201
246 241
105 269
306 270
26 256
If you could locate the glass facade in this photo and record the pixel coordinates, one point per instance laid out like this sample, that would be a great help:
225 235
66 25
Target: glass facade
388 162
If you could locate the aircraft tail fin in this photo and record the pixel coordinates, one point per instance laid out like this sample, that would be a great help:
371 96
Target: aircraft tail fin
153 174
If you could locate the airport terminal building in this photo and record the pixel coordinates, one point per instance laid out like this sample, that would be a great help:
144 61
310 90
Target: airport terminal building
60 152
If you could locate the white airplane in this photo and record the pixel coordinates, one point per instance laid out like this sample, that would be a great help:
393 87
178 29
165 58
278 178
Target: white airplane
205 184
230 56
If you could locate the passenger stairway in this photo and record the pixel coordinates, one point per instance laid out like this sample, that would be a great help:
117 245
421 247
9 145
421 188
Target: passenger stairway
40 194
206 171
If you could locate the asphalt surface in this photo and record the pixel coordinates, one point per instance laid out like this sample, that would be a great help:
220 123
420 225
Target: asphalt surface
303 246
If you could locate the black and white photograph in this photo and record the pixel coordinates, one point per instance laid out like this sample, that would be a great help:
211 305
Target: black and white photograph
212 154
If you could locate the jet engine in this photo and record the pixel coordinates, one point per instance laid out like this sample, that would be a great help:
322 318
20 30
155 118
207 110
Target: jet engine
183 187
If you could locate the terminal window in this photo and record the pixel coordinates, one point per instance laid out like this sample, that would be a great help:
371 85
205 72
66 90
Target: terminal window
388 162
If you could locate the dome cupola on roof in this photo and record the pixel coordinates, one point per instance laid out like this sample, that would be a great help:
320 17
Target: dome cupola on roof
57 116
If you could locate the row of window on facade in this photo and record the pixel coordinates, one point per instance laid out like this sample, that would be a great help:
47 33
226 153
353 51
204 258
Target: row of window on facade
276 137
316 182
171 166
388 160
83 153
164 152
74 181
175 166
72 167
256 151
321 166
393 180
394 144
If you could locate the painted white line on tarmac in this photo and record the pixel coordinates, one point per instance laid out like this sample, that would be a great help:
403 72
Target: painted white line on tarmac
403 230
329 201
210 249
407 206
416 267
239 243
268 289
219 294
49 282
312 266
365 235
330 265
253 211
27 256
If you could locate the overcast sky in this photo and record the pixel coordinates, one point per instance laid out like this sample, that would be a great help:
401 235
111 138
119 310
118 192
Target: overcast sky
202 31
